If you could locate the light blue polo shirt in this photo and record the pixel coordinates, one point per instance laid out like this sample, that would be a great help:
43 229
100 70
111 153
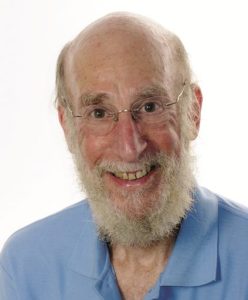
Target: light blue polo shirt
61 257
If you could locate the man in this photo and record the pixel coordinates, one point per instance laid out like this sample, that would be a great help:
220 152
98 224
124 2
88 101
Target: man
129 110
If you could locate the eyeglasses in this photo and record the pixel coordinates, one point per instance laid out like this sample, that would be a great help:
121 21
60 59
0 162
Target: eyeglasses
100 119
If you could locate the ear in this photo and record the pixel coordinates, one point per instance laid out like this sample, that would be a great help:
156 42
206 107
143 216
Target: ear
62 116
197 105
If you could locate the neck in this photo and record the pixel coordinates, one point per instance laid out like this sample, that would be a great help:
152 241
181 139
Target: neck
138 268
158 252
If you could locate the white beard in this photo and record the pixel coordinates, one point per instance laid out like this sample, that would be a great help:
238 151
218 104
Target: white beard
173 200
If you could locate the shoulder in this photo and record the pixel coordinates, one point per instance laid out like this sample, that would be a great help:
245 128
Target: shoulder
226 208
233 228
232 218
47 236
232 209
60 223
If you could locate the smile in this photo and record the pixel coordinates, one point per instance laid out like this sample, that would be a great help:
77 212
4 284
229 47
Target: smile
134 175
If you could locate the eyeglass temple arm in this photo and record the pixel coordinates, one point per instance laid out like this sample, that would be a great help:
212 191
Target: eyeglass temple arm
70 110
182 91
179 96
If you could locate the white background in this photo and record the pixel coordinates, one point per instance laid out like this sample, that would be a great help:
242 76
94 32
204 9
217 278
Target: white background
36 172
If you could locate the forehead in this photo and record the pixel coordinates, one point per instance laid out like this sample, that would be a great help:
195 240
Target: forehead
116 61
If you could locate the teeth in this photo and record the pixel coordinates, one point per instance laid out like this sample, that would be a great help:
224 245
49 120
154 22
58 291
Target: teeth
140 174
133 175
124 175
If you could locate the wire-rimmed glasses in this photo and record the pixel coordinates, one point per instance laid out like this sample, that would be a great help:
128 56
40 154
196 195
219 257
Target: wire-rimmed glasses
101 118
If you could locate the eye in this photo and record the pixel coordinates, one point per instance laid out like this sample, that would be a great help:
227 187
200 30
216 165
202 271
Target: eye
150 107
98 113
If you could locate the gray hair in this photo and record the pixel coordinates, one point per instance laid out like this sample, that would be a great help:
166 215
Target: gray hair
61 95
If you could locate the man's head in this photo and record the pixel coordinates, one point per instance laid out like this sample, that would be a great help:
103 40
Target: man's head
129 111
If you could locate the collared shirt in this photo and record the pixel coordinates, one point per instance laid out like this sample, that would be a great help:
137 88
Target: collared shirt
61 257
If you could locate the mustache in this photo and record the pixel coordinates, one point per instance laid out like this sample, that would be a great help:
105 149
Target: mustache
147 161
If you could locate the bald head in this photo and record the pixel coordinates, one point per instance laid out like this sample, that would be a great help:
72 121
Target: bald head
118 37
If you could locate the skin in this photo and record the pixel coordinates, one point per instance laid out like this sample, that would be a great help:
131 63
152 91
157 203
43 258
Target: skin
120 59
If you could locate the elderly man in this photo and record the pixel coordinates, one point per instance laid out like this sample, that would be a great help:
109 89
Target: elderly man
129 111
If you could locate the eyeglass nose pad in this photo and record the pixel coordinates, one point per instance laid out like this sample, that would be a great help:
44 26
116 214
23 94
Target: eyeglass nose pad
134 116
116 117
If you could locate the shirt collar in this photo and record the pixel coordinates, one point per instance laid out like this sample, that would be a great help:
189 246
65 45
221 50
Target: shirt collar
193 261
90 258
90 255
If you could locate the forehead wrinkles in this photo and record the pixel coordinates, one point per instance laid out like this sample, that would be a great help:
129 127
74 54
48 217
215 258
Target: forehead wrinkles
125 32
115 50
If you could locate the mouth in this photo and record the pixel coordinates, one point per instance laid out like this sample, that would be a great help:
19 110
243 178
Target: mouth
135 174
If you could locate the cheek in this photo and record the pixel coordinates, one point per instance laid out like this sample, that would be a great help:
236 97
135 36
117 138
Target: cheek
92 148
167 141
166 138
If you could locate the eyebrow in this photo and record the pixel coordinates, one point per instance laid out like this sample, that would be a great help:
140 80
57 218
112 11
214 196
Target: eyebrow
153 90
87 99
91 98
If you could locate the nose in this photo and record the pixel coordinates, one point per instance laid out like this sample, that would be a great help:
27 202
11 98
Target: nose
129 143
